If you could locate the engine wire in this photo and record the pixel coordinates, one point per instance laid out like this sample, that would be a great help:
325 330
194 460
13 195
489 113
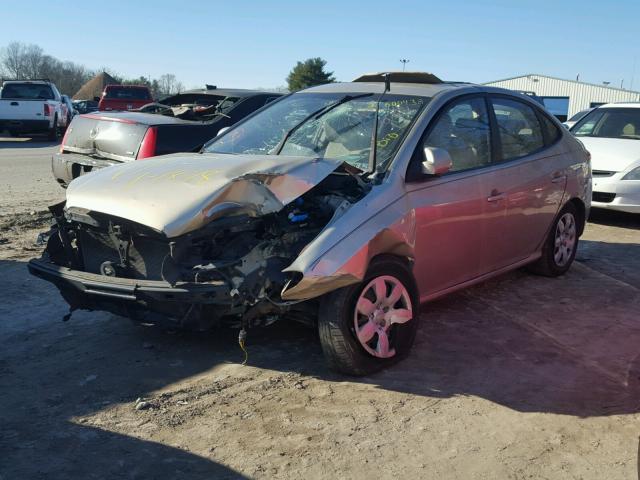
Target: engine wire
242 337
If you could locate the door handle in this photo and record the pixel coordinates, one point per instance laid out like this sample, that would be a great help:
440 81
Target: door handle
14 104
559 179
496 196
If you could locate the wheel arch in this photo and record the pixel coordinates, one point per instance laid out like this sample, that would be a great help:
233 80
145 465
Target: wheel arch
581 210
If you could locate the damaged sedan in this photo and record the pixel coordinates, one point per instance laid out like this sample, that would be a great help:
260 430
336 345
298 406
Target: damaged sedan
343 206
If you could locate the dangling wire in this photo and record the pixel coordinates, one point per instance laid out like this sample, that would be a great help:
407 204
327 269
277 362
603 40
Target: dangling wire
242 337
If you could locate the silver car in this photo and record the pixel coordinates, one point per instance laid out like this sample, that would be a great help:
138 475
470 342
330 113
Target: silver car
344 206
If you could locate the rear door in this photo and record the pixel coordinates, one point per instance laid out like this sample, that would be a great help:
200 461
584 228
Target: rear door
527 183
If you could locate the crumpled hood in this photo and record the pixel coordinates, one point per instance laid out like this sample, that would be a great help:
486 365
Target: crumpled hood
611 154
176 194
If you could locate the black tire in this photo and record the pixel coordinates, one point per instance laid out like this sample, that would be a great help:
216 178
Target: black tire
336 322
54 132
547 264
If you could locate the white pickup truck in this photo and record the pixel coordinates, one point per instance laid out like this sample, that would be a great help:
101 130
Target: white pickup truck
31 106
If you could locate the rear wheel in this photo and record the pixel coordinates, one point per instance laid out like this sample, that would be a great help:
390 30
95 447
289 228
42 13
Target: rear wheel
561 245
371 325
54 132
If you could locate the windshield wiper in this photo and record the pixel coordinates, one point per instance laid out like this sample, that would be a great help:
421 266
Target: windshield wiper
316 115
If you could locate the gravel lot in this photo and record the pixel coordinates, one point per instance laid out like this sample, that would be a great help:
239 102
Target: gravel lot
520 377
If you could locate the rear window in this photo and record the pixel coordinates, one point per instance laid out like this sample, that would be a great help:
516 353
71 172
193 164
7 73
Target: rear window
27 91
127 93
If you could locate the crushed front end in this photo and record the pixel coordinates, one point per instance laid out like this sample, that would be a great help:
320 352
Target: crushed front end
229 271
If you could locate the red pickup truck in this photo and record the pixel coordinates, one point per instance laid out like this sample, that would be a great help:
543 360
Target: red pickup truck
124 97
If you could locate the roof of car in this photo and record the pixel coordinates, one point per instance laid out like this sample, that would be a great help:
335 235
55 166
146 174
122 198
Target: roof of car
417 89
621 105
226 92
42 82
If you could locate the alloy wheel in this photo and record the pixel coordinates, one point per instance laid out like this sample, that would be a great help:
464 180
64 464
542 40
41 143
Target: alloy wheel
383 303
565 239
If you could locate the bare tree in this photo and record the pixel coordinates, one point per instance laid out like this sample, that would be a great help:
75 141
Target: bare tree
34 61
169 85
24 62
12 60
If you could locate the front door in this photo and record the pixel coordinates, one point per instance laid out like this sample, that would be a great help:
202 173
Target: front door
450 209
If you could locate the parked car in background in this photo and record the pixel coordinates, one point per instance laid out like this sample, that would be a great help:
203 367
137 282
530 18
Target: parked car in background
103 139
67 108
124 97
85 106
576 118
349 203
210 103
31 106
611 133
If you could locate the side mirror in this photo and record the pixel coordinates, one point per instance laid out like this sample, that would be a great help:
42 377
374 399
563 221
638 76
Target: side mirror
437 161
222 130
96 99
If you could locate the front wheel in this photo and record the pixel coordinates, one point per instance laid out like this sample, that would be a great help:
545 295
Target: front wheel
561 245
370 325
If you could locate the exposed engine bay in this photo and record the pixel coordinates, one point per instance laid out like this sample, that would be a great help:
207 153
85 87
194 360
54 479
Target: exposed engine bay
238 257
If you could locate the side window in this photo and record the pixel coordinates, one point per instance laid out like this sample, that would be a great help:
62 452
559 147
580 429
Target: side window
463 130
550 128
518 127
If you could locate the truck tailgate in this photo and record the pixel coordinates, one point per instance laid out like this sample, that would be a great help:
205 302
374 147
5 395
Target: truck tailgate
22 109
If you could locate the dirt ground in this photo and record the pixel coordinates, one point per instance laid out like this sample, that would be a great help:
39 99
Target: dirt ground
521 377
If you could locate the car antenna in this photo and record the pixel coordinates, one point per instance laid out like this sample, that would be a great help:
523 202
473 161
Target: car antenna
374 136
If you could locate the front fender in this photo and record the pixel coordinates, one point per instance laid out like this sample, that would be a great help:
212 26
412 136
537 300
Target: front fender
390 231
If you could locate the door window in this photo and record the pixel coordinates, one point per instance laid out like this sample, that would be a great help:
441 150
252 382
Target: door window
463 130
518 127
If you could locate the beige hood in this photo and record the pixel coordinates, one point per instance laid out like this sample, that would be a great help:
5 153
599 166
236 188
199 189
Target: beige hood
176 194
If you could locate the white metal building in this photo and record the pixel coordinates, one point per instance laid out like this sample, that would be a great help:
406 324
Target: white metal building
564 98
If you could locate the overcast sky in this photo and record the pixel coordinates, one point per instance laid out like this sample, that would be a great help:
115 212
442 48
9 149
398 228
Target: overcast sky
256 43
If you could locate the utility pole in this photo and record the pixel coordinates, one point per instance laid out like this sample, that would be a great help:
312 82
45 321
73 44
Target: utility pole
404 62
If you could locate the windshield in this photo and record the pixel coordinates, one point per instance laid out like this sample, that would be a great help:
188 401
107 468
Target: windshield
610 123
29 91
342 132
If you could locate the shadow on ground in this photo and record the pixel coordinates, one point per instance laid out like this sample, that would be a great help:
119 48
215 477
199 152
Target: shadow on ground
614 219
518 341
26 142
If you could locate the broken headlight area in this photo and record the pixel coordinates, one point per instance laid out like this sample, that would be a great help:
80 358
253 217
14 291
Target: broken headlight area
229 271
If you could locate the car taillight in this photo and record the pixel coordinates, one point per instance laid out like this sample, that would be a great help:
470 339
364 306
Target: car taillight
47 110
148 146
64 139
